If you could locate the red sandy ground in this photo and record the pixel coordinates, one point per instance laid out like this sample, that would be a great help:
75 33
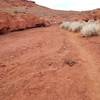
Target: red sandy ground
49 64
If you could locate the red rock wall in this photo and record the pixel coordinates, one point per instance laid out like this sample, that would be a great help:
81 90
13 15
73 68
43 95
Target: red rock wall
19 22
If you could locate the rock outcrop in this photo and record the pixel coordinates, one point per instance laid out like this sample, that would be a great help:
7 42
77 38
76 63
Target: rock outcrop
16 22
13 16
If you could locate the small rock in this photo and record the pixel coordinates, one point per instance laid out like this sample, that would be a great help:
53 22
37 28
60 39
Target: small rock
2 65
70 62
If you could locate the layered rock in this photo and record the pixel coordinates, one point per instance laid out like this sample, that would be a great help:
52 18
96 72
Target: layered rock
10 22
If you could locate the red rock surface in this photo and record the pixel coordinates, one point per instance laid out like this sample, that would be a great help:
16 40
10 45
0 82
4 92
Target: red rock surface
13 16
19 22
10 3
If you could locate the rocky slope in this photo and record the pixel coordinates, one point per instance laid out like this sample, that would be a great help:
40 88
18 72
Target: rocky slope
14 16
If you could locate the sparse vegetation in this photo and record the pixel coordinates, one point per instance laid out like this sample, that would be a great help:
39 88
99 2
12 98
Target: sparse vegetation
65 25
75 26
15 10
72 26
90 28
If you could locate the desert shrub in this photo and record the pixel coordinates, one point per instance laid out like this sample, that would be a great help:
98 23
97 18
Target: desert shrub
65 25
72 26
90 29
75 26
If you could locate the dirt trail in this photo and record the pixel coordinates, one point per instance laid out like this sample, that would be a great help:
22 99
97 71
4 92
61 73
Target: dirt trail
49 64
92 63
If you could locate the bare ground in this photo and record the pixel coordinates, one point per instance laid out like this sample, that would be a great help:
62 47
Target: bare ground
49 64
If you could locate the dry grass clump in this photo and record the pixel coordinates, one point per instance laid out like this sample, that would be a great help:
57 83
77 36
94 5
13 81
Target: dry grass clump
90 28
65 25
72 26
75 26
